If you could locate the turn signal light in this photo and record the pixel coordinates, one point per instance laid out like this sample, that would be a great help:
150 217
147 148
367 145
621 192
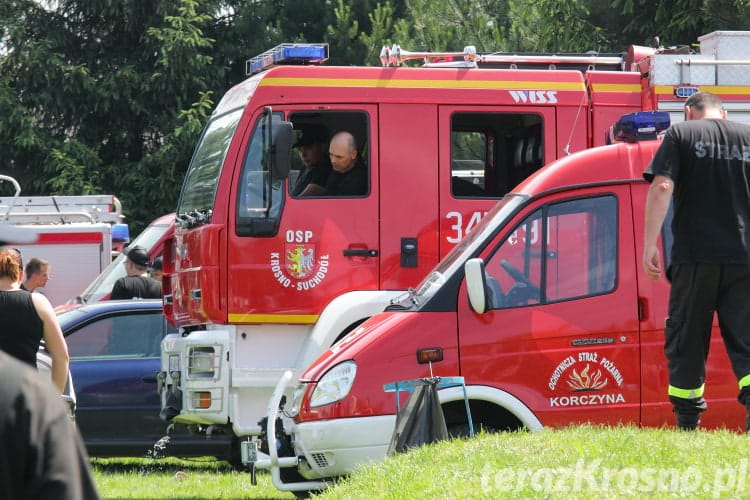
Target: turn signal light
202 400
429 355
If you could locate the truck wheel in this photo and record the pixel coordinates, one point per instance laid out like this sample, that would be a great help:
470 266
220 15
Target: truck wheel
460 431
290 475
305 494
235 456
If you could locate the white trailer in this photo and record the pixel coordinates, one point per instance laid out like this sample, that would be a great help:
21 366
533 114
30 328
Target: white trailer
74 235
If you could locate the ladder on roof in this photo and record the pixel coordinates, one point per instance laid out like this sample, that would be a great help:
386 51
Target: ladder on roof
469 58
58 209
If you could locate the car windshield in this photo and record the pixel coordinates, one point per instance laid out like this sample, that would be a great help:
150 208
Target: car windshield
69 317
103 284
495 218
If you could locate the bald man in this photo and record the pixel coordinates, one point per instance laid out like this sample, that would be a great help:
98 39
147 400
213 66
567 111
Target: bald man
349 175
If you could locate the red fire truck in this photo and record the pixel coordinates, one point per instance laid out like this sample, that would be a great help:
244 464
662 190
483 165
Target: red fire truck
260 282
543 312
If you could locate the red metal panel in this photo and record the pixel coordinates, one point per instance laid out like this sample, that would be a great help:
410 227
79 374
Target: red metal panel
77 238
408 190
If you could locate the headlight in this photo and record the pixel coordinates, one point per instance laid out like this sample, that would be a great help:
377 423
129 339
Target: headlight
201 362
335 384
299 392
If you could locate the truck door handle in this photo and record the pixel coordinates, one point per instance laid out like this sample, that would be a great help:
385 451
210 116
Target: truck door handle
360 252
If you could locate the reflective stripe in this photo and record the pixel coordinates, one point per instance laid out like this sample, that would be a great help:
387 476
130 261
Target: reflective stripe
291 319
691 393
397 83
745 381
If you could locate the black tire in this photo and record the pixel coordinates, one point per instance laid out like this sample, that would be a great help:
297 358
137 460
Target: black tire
461 431
235 456
304 494
291 475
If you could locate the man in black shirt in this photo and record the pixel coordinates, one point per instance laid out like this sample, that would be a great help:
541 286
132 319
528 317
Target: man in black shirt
313 151
42 454
349 175
36 274
137 284
703 164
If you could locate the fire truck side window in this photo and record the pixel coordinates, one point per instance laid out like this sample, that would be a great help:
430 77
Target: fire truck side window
492 152
567 250
257 207
318 127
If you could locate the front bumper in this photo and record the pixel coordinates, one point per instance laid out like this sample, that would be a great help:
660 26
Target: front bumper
324 449
334 448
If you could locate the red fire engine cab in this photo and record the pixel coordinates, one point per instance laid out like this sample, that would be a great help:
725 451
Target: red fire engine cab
260 281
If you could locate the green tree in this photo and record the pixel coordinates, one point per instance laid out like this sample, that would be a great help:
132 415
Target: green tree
110 96
679 22
91 89
555 26
450 25
435 25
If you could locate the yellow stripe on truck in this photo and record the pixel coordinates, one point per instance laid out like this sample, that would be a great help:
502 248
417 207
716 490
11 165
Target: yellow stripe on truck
426 84
296 319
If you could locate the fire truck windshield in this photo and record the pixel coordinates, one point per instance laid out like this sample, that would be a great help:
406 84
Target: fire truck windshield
199 189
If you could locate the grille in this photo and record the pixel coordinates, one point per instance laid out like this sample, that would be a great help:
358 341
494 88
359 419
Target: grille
320 460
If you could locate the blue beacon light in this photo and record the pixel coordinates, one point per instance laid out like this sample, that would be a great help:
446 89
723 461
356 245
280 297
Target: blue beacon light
288 53
640 126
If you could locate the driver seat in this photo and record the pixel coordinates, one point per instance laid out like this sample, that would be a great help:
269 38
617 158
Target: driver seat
521 294
495 294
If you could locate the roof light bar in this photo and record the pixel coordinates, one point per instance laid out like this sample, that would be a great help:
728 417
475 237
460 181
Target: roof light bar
640 126
288 53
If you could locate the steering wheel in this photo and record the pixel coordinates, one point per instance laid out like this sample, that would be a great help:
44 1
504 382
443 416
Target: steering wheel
519 276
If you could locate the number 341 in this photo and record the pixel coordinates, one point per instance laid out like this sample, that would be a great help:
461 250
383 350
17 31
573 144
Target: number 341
459 229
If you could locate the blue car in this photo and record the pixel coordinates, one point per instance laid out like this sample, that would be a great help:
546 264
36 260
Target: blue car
114 351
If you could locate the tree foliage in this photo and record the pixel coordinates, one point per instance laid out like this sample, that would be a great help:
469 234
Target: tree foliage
93 89
679 22
110 96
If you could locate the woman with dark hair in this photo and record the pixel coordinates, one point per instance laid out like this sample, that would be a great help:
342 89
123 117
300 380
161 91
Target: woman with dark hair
26 318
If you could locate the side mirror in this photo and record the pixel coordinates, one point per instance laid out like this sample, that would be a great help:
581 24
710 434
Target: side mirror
282 150
476 285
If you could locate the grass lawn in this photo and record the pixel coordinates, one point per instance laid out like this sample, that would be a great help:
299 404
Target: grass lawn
173 478
576 462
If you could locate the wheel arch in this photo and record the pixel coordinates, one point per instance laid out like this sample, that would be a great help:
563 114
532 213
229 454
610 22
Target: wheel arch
490 407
